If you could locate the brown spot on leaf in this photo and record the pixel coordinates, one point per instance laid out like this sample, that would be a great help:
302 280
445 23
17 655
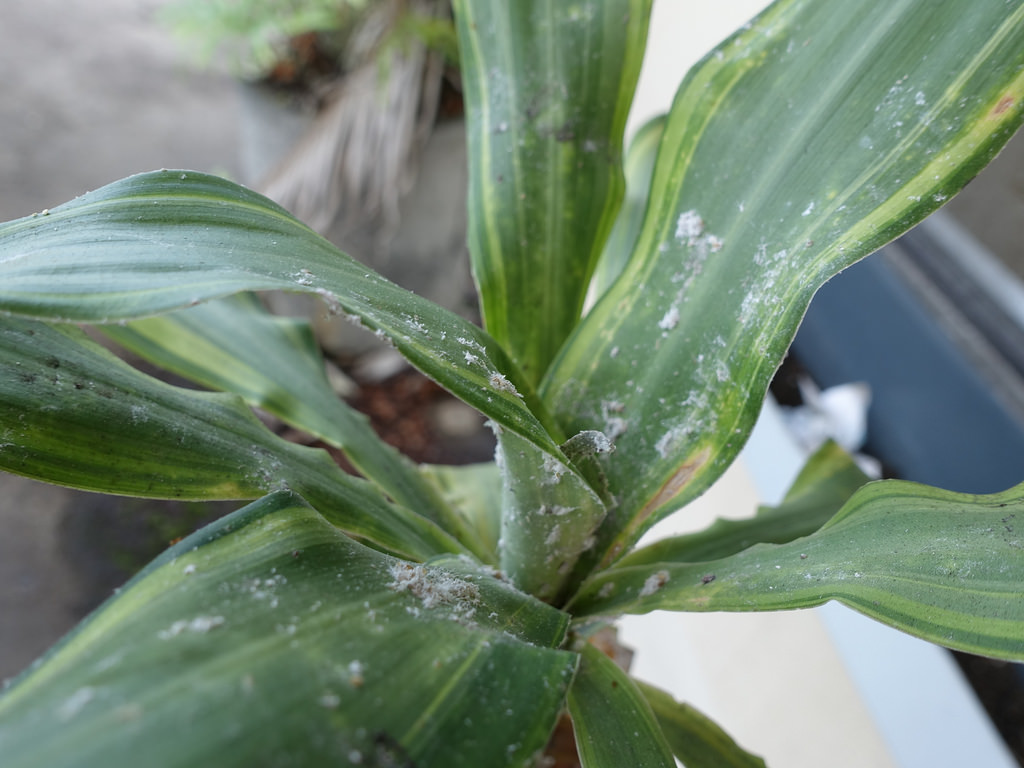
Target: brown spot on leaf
675 484
1004 104
672 488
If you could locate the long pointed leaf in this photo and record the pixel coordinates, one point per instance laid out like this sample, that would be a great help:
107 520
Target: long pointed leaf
72 413
613 723
694 738
805 142
943 566
826 483
236 345
271 638
548 85
165 240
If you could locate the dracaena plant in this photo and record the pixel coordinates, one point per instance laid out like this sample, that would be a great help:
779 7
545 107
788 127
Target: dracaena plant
440 616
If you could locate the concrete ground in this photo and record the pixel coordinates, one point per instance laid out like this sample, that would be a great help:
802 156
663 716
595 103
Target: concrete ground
91 92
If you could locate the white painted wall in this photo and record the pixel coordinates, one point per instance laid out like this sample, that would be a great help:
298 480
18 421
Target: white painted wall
681 32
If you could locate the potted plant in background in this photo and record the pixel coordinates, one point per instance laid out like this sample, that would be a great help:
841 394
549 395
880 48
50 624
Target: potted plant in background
371 72
426 615
351 120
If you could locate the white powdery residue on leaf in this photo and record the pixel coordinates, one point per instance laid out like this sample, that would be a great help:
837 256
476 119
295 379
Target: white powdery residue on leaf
761 254
331 300
614 424
667 441
198 625
670 319
654 582
329 701
436 588
615 427
689 227
554 470
722 372
416 325
472 343
749 307
601 442
384 336
587 443
809 209
700 418
74 703
500 383
554 535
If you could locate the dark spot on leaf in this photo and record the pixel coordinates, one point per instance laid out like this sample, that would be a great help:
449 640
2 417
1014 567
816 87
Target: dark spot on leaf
707 578
1004 104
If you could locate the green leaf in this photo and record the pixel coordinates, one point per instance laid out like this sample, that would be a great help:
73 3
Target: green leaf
943 566
271 638
71 413
639 169
613 722
695 739
236 345
474 491
825 483
166 240
548 85
812 137
548 515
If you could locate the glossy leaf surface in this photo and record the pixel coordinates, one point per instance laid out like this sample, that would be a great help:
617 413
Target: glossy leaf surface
547 86
943 566
697 741
612 720
236 345
271 638
165 240
73 414
819 132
